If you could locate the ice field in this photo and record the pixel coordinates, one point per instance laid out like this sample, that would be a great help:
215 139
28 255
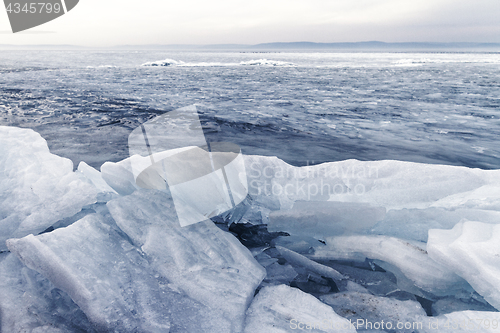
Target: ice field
372 181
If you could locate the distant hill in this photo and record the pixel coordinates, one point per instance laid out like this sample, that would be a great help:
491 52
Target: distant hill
375 45
355 46
295 46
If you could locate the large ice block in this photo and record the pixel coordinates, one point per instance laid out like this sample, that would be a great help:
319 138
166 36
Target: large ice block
37 188
208 264
367 312
456 303
463 321
389 184
278 309
417 197
111 281
471 250
328 218
204 179
410 258
119 176
298 259
414 224
95 177
272 181
31 303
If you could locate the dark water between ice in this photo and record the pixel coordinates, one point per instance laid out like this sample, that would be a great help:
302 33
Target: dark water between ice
315 107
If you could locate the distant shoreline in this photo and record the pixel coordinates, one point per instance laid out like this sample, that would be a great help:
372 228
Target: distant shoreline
374 46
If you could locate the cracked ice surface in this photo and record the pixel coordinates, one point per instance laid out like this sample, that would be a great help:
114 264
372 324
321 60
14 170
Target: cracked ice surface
128 266
30 302
206 263
110 280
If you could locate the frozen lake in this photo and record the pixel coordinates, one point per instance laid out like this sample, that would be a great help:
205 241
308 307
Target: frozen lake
305 108
368 238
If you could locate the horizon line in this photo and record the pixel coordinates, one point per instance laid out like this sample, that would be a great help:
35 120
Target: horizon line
289 45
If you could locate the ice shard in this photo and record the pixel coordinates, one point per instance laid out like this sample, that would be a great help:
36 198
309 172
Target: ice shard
37 188
204 179
278 309
208 264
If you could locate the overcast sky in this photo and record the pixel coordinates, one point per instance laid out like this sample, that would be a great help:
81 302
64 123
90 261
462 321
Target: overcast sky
118 22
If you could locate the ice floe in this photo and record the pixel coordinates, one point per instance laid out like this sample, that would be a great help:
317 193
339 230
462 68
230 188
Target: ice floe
208 264
405 257
37 188
313 266
472 250
367 310
325 218
163 63
384 240
349 197
31 303
110 280
253 62
284 309
266 62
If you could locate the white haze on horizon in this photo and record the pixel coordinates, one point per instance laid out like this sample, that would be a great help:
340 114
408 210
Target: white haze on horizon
120 22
